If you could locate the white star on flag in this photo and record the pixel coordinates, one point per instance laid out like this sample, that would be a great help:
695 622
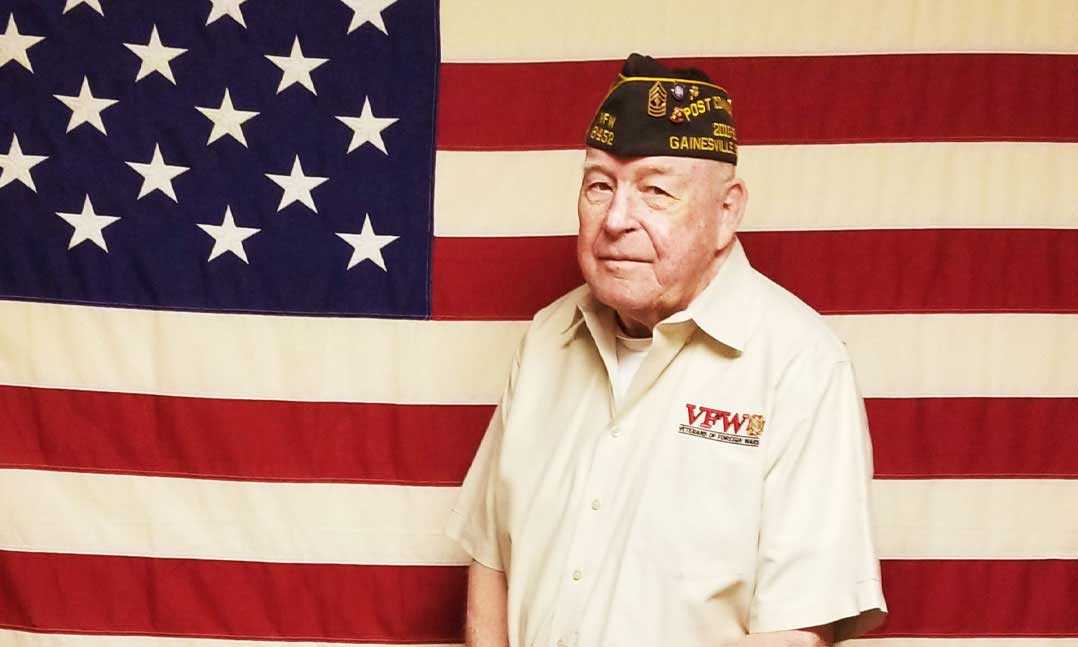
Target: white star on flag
88 225
16 165
296 68
367 11
93 4
297 186
227 120
227 237
13 45
367 128
367 245
155 57
85 108
230 8
156 175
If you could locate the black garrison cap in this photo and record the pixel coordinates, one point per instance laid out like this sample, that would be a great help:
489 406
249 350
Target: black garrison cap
653 110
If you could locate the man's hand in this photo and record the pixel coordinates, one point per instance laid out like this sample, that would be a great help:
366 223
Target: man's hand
821 636
486 624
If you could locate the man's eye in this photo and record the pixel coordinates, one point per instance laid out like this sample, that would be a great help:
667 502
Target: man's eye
600 186
654 190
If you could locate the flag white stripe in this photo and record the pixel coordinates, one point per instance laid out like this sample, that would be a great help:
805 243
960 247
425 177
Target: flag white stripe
111 514
816 187
975 519
252 356
27 639
945 355
147 516
560 30
453 362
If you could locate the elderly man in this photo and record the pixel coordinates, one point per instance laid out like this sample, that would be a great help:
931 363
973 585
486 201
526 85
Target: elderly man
681 456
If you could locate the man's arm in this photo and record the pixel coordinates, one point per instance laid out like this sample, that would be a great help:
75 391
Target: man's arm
816 560
486 623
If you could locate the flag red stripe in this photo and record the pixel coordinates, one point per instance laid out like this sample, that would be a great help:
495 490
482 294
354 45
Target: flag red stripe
433 445
238 439
985 437
500 278
980 598
183 597
186 597
835 272
781 100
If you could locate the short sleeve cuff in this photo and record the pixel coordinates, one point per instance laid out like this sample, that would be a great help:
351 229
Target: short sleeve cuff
472 541
854 613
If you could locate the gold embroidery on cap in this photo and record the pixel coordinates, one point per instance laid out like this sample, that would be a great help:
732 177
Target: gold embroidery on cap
657 100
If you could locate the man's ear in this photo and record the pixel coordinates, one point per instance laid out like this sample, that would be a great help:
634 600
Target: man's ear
732 210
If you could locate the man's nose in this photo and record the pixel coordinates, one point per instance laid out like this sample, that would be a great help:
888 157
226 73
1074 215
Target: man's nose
620 216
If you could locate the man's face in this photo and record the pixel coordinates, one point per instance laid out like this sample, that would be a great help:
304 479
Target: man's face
653 230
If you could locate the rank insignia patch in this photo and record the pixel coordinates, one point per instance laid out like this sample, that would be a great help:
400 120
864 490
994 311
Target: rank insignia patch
657 100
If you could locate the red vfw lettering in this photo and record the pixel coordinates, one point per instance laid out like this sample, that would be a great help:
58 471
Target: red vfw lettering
707 417
733 421
694 414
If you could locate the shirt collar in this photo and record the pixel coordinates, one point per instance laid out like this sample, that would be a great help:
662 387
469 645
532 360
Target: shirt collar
727 310
729 307
585 302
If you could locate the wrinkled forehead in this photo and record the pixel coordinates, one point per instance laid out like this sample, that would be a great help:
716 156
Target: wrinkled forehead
596 160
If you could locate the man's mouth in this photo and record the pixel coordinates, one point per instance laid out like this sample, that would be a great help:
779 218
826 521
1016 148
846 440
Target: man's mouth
621 259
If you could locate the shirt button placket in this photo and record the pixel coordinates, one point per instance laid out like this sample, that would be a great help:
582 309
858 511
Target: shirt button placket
604 468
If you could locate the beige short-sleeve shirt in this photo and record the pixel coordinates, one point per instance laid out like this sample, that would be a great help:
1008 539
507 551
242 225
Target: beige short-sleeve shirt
726 493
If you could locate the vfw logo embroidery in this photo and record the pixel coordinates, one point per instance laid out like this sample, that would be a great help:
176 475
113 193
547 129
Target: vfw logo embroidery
723 426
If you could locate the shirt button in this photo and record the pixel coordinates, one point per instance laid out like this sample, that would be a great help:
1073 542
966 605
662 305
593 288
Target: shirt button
577 575
615 432
596 504
562 642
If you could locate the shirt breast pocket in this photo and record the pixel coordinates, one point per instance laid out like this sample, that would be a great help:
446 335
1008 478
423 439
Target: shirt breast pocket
700 511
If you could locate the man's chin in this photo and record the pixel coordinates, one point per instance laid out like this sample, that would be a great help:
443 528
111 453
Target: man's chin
621 295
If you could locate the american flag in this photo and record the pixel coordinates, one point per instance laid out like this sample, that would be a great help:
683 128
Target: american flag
263 264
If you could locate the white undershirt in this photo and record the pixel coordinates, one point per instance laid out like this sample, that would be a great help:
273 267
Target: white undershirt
631 352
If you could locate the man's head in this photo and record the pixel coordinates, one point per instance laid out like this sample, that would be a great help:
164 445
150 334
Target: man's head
659 203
